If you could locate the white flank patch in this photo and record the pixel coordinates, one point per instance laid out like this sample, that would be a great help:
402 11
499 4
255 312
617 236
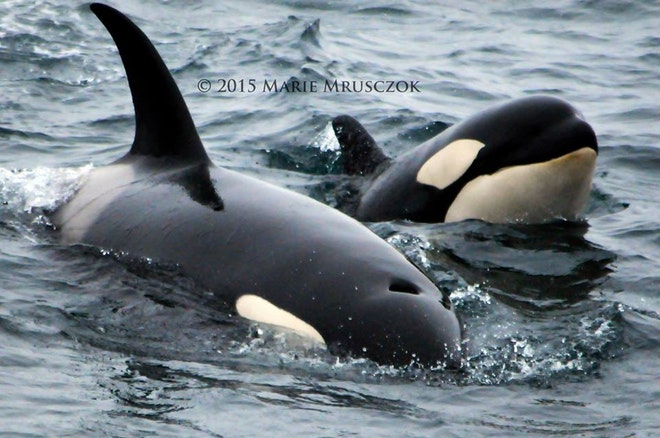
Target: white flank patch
258 309
449 163
533 193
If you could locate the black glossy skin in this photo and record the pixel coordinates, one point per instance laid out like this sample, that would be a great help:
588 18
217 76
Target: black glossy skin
523 131
304 257
237 235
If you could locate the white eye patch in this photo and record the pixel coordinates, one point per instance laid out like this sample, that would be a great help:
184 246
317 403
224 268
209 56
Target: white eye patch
258 309
449 163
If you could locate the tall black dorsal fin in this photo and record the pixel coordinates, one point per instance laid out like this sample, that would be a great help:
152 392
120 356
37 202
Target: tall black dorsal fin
360 153
163 125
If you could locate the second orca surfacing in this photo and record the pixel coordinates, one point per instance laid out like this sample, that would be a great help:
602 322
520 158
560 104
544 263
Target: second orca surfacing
529 160
279 257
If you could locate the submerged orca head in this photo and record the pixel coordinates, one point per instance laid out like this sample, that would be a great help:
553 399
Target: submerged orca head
529 160
280 257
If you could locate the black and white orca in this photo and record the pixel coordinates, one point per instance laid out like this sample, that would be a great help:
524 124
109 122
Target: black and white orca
530 160
279 257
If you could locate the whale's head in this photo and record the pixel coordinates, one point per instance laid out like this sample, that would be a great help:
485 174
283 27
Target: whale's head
410 323
530 160
362 298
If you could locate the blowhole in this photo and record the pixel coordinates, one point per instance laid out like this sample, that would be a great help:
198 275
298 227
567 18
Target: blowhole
404 287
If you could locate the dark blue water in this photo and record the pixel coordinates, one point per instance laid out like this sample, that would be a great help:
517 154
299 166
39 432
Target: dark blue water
562 321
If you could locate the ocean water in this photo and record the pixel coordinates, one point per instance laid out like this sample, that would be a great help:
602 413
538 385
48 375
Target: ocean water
562 321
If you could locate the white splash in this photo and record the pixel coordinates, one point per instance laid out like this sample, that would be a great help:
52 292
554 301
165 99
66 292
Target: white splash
41 188
326 140
413 246
472 292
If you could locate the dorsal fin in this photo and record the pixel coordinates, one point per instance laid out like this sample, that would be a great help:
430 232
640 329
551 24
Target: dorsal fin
360 153
163 125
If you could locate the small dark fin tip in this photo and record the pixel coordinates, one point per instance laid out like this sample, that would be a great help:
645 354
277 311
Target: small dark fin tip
360 153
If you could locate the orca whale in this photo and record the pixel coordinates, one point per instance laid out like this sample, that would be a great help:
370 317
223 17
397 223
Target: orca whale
530 160
279 257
